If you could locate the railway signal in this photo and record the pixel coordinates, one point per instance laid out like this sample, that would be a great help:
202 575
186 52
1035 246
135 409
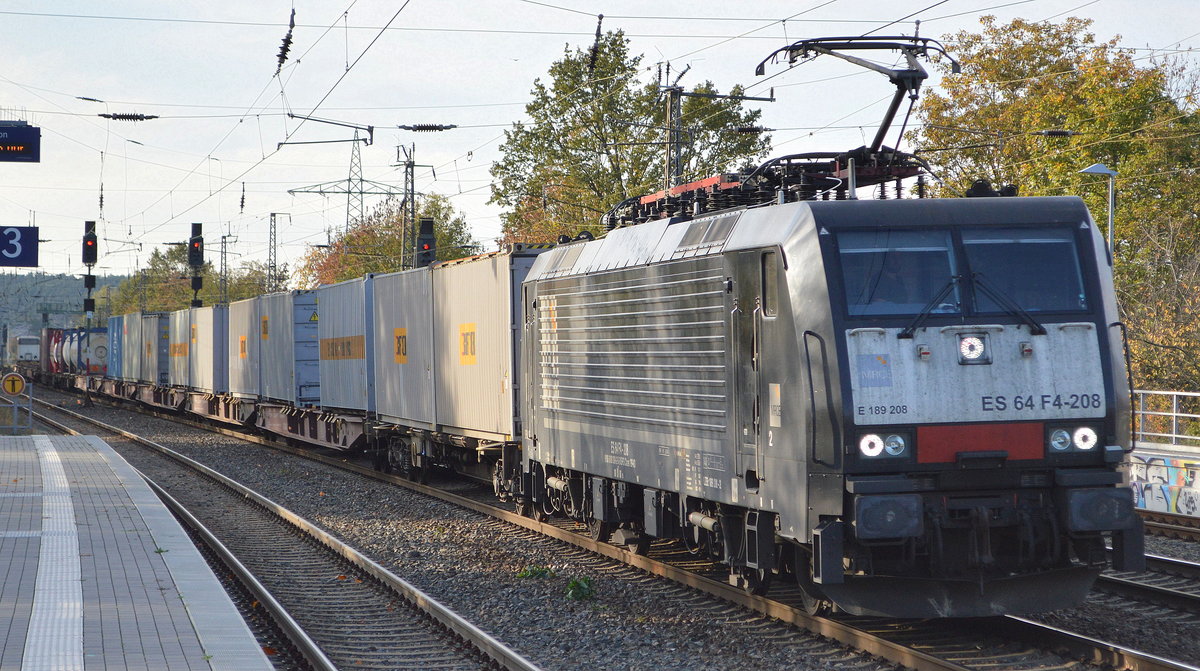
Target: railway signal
196 247
426 243
89 243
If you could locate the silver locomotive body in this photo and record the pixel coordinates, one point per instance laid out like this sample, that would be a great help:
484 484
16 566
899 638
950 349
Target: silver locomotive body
763 385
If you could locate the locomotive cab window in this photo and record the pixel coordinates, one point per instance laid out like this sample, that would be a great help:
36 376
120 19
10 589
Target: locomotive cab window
1038 269
897 272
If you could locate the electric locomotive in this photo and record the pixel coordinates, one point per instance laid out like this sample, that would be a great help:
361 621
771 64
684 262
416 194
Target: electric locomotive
911 407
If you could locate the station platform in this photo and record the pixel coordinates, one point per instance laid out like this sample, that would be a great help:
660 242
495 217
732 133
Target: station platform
95 572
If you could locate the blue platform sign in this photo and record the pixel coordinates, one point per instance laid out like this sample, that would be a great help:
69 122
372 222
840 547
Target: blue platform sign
20 143
19 246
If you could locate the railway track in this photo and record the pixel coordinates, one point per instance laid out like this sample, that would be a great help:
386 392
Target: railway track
1171 525
1007 642
1168 582
337 607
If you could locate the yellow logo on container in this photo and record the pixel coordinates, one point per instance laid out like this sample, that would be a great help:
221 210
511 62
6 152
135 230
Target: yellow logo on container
400 345
466 345
341 349
265 330
242 347
194 334
179 349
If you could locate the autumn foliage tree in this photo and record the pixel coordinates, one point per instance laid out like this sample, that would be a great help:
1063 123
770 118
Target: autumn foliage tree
1137 115
375 244
165 284
595 137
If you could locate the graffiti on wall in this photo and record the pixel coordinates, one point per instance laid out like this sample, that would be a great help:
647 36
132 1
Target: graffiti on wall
1166 484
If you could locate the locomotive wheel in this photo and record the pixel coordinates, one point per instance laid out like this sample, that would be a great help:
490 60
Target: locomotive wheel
815 603
599 530
757 581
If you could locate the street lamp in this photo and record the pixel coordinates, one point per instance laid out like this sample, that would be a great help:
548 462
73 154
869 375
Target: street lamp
1101 169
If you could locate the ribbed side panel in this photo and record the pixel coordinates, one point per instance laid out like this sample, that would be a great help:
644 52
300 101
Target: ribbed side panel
641 347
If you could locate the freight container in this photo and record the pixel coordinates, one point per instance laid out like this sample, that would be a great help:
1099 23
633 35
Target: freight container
403 361
289 348
346 331
244 345
208 349
92 351
179 350
476 312
132 347
156 340
50 336
116 341
69 354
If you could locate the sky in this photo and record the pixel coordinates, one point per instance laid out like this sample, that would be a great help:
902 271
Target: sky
208 71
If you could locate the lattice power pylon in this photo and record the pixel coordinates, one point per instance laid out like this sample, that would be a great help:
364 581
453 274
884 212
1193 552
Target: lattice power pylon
354 187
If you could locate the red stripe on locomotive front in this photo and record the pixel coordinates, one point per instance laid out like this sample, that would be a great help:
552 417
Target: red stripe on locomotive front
941 444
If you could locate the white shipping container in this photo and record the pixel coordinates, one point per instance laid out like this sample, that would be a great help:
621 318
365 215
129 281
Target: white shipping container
476 313
347 336
289 354
179 350
131 347
209 347
156 338
403 361
244 346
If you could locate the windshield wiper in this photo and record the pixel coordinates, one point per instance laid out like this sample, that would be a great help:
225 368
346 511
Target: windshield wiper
1010 306
928 309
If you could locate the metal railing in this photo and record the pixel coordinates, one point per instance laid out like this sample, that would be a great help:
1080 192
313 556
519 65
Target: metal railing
1167 417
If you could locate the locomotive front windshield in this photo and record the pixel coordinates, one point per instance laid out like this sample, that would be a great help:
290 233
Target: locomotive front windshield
897 272
1037 269
907 272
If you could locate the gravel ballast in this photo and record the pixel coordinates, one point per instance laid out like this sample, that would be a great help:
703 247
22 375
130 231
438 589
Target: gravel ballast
472 564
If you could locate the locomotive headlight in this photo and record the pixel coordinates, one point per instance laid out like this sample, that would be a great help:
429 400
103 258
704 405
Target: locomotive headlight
871 445
973 349
1085 438
895 445
1060 439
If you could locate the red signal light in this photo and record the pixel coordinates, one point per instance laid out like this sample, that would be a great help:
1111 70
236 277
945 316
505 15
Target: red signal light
425 247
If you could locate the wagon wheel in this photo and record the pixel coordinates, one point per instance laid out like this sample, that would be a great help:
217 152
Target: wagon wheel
527 508
641 546
599 530
757 581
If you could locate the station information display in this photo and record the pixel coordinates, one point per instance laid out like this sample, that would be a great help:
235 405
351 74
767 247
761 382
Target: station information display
20 143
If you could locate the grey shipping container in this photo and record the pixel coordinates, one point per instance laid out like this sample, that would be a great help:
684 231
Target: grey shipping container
403 309
209 348
289 348
347 337
476 312
132 350
156 338
179 350
244 345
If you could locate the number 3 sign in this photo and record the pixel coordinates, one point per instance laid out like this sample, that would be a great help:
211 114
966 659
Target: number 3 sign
19 246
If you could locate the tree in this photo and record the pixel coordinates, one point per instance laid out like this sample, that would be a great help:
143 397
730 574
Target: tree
375 244
1136 116
165 284
594 139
